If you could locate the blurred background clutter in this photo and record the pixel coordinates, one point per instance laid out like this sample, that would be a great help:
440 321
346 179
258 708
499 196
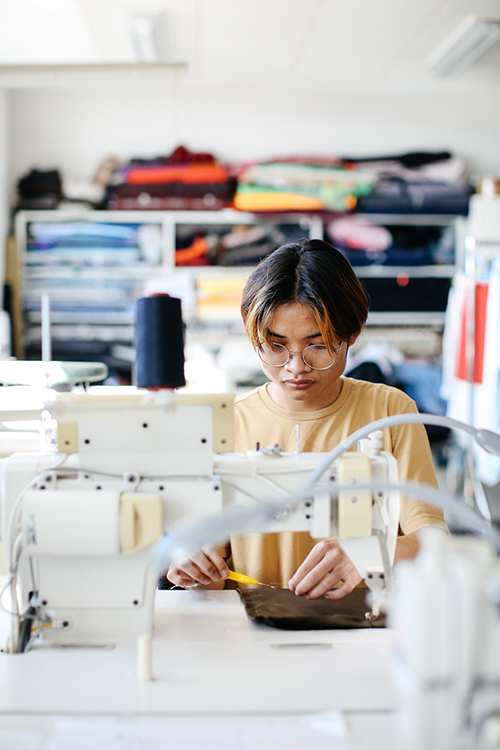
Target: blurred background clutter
152 151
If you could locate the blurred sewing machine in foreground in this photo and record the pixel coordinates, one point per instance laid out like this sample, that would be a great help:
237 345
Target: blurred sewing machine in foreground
84 528
80 525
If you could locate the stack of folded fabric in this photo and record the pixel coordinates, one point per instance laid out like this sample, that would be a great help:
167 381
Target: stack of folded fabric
219 297
183 180
39 190
415 183
84 244
364 243
232 246
301 184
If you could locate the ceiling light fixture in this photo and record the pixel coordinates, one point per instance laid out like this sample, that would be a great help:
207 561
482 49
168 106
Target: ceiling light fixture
470 40
23 76
143 29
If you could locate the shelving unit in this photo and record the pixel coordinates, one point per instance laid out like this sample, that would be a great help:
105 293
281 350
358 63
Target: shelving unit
92 306
433 280
92 298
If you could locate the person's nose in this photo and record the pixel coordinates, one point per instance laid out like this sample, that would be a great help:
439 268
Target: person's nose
296 364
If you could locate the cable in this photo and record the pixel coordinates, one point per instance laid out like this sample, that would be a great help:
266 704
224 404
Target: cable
252 497
12 577
18 501
10 580
380 424
179 477
460 511
80 469
271 468
249 494
211 529
34 587
18 636
11 583
163 477
21 624
25 630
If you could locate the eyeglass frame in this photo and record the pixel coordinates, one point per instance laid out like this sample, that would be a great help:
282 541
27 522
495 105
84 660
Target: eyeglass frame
290 353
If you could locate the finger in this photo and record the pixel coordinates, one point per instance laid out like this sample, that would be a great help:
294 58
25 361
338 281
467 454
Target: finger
217 560
178 578
315 578
342 591
344 573
325 585
324 556
186 582
205 566
190 569
311 561
308 568
332 565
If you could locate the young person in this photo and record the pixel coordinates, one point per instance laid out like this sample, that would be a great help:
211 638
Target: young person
302 307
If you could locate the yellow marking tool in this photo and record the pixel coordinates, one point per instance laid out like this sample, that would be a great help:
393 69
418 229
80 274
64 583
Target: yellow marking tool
240 578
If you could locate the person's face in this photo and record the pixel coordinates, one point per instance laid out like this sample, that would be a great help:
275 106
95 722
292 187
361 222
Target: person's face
296 386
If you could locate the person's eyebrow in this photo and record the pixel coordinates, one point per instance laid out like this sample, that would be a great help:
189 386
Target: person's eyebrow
280 336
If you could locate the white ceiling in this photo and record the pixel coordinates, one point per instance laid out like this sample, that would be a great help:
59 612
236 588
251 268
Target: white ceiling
305 45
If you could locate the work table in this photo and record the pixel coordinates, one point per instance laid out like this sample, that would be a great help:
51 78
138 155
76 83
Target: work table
217 675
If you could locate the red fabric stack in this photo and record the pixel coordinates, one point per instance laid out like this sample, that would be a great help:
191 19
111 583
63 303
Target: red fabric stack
183 180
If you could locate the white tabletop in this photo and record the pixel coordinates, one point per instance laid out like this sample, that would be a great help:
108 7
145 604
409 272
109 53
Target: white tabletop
214 671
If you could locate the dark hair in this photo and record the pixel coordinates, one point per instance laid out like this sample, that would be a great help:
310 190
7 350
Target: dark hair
309 271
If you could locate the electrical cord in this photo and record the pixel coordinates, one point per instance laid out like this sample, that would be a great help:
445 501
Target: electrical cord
25 629
80 469
12 577
253 497
21 624
488 440
466 516
17 504
162 477
193 536
211 529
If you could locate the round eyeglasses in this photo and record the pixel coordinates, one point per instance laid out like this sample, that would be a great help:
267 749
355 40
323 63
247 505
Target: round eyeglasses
315 356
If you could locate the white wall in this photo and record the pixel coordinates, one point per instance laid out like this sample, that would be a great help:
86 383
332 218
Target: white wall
74 129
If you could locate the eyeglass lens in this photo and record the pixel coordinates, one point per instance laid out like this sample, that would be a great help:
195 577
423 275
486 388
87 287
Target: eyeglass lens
315 356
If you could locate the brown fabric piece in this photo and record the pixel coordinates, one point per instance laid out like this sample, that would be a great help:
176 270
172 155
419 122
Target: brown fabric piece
281 608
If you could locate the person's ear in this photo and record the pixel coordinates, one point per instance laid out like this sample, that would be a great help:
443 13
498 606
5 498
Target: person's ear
353 339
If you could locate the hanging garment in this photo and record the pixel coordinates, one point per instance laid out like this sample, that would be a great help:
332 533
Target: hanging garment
471 374
487 397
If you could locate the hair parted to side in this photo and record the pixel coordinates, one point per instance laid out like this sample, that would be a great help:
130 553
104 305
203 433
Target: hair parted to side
309 271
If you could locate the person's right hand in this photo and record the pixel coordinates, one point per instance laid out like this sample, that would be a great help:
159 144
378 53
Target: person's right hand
204 567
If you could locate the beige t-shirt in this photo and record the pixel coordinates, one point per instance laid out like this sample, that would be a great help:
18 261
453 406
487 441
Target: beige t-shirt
275 557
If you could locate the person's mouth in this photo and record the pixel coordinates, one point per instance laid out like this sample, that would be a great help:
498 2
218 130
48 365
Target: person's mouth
298 385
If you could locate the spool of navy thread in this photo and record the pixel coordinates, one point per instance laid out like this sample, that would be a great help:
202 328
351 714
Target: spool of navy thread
159 334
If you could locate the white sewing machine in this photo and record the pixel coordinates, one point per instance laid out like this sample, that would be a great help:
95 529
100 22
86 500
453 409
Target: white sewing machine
79 525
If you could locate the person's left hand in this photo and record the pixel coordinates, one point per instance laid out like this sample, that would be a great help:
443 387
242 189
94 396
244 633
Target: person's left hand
323 568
